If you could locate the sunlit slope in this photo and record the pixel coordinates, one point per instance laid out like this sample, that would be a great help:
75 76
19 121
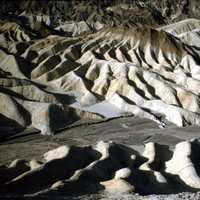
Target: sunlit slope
142 71
105 166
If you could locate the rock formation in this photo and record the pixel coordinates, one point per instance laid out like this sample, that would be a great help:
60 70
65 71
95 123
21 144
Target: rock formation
106 166
51 82
63 63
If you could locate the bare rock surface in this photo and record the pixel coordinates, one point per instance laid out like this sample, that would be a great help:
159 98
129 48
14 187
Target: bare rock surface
99 99
141 71
138 165
107 167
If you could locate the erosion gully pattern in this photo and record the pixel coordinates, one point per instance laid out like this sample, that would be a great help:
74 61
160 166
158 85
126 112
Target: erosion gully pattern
108 167
51 82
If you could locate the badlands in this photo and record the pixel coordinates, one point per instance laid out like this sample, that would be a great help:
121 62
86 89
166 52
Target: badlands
99 100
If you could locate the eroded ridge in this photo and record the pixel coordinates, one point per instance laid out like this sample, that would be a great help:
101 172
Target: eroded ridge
107 167
142 71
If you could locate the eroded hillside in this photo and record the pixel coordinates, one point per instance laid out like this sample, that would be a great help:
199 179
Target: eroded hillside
51 82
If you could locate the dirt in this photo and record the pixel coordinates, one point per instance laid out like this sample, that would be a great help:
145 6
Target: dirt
131 131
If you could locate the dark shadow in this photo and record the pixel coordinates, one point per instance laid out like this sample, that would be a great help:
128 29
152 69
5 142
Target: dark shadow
8 127
195 156
52 171
20 134
21 48
25 66
145 182
138 90
150 89
12 93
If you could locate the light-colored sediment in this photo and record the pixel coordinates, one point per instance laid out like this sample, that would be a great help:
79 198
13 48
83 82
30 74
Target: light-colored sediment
108 167
141 71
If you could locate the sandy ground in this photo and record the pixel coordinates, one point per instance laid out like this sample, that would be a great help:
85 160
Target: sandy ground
131 131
